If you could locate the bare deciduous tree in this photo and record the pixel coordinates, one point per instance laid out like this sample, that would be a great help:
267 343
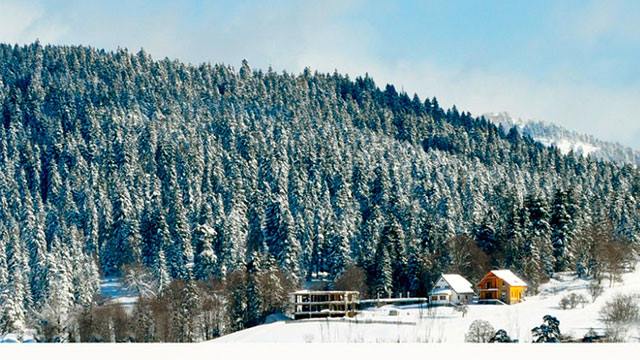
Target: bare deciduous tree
139 279
352 278
595 289
619 314
467 258
571 301
275 288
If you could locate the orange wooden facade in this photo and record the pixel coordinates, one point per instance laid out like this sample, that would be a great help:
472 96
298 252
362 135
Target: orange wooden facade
493 287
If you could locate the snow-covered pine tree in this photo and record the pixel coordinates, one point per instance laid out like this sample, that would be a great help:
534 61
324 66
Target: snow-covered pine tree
382 271
236 301
548 332
34 238
279 235
393 237
339 250
154 231
124 245
236 223
14 296
563 224
538 231
486 235
254 294
206 259
84 272
185 321
161 271
179 251
59 304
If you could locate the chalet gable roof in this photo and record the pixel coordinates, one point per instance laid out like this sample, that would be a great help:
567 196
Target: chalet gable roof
508 277
458 283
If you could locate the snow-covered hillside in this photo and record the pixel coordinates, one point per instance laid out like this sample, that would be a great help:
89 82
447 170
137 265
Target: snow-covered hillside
113 291
444 324
567 140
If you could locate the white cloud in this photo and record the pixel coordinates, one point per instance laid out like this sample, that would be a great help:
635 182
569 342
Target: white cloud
23 22
599 21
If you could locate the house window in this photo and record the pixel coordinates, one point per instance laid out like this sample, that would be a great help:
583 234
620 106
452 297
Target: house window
434 298
442 297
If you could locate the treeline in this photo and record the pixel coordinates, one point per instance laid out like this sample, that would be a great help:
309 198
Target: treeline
113 159
180 311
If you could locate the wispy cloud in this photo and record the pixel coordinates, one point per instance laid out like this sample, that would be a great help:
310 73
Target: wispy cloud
24 22
598 21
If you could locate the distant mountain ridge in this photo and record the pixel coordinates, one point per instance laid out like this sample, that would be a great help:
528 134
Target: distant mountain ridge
567 140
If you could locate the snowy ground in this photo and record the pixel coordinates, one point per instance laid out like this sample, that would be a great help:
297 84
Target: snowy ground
443 324
114 292
27 337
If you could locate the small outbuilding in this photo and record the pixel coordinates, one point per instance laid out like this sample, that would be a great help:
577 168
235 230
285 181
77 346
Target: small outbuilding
502 285
451 289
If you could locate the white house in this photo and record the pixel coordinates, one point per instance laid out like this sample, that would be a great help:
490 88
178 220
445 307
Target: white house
451 289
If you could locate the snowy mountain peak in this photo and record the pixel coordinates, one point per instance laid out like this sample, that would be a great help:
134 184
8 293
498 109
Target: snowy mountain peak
566 140
504 119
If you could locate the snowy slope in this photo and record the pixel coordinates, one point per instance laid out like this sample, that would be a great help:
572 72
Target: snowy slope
27 337
443 324
567 140
113 291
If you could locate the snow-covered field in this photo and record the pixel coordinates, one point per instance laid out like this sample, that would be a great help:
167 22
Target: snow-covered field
27 337
443 324
113 291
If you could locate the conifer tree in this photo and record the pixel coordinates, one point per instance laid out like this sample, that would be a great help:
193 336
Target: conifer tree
161 271
205 261
338 256
254 295
563 229
393 238
124 245
185 320
486 235
280 237
179 250
35 241
237 301
14 296
59 303
383 272
538 234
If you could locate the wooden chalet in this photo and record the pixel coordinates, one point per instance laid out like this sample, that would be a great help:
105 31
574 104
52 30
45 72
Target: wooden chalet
503 286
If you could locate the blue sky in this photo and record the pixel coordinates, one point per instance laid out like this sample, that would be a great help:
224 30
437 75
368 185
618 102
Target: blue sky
574 63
